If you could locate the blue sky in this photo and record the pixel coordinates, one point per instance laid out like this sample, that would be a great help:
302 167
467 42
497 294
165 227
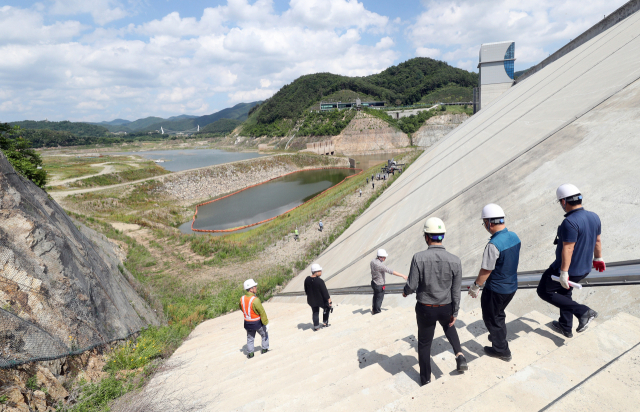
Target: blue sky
93 60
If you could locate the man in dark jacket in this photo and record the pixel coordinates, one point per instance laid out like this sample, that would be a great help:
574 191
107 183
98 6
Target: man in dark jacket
499 275
436 276
317 296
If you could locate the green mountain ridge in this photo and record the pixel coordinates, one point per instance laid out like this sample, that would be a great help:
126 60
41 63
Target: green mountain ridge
404 84
184 122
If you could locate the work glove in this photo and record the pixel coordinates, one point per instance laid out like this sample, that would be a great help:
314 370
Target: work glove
598 264
474 290
266 328
564 279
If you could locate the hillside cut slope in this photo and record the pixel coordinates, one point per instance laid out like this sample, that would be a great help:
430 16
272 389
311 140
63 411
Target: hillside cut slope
576 120
61 292
367 133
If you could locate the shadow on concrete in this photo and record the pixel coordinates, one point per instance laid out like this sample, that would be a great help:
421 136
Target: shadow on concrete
256 348
557 339
305 326
390 364
366 311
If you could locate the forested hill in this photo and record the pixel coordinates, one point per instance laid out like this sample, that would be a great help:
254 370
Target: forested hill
404 84
78 129
180 123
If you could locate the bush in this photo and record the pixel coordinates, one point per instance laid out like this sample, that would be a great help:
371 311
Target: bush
21 156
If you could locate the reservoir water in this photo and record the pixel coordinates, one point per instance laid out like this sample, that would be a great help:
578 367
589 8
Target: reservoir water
266 201
177 160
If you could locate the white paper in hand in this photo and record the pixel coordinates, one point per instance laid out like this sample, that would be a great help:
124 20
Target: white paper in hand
572 284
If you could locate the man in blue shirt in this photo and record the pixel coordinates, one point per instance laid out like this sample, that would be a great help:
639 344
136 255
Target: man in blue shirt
499 275
578 249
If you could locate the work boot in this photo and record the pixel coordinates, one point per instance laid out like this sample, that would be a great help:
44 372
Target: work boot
489 351
586 319
264 351
461 363
558 328
250 355
425 383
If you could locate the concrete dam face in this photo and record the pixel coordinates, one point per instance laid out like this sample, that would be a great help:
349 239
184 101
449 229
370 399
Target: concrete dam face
574 121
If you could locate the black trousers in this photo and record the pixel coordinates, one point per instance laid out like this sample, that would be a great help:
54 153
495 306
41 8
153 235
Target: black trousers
316 315
551 291
493 306
378 297
427 318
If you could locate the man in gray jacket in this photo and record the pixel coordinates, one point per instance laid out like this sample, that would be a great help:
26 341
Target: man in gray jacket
436 275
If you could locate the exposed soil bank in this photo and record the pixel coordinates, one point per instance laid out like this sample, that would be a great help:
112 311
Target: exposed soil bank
207 183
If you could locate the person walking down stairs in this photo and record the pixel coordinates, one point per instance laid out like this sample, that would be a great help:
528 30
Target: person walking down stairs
578 249
436 275
499 275
255 317
317 297
378 280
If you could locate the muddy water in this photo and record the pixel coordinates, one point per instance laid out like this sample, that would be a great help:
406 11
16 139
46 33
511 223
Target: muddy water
265 201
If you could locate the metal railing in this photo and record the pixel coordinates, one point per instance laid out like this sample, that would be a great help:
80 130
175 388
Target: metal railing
617 274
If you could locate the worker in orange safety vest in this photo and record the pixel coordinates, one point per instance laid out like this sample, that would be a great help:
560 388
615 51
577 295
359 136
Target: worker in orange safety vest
255 317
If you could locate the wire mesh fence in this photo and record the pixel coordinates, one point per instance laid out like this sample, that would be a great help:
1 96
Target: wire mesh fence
39 323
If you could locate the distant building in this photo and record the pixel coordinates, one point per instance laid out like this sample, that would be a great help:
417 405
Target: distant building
496 67
325 106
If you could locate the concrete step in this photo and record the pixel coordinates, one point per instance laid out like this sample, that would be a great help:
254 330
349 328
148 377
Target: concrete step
555 374
289 333
225 367
529 340
277 365
615 388
294 320
375 365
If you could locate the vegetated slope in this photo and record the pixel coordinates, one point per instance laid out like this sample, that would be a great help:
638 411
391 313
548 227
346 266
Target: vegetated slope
75 128
220 127
185 122
140 124
404 84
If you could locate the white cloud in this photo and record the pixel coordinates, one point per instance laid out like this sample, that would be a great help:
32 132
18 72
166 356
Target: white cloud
251 95
385 43
102 11
457 27
323 14
20 26
427 52
239 51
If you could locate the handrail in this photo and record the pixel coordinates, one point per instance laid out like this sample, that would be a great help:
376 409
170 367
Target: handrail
617 274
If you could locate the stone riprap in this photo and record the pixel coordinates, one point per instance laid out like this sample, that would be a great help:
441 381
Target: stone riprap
210 182
436 128
60 290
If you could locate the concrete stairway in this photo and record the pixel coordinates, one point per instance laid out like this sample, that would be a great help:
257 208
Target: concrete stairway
369 363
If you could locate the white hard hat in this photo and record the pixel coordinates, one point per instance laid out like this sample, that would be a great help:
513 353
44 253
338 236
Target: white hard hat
249 283
493 211
433 225
315 268
567 190
382 253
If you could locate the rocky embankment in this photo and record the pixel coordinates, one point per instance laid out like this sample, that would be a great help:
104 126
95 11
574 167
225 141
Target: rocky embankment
207 183
436 128
366 133
62 287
